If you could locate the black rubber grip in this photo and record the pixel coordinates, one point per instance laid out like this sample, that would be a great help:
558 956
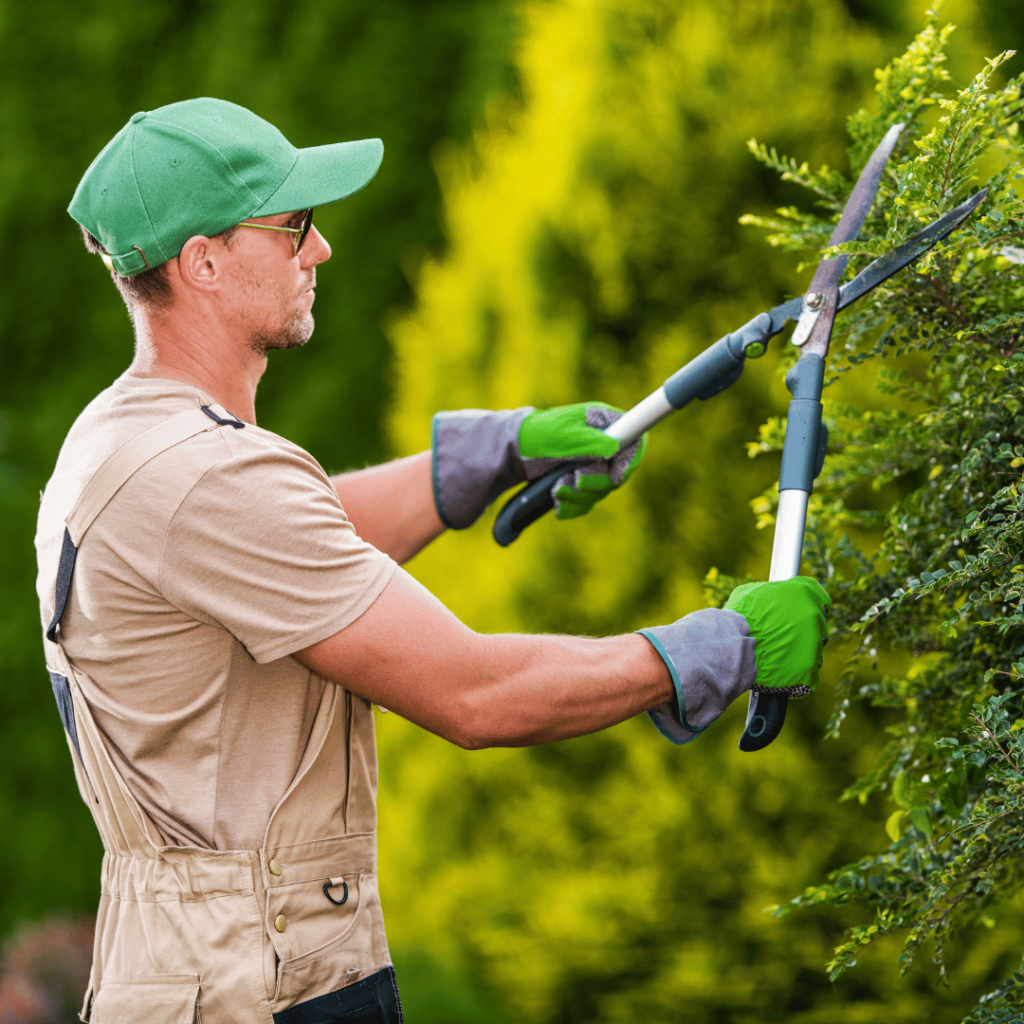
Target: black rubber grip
526 506
765 716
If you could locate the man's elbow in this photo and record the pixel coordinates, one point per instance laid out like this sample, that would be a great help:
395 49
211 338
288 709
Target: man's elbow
477 723
470 741
472 732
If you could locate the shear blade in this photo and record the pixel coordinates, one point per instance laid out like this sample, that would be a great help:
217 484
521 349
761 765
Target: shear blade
881 269
831 268
885 266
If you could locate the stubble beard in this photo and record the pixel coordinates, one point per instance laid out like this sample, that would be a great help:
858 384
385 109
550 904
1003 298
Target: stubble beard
294 334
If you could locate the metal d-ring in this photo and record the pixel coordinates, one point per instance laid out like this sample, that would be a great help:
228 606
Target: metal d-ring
328 885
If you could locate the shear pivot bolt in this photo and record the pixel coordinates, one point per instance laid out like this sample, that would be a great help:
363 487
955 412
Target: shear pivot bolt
755 350
813 300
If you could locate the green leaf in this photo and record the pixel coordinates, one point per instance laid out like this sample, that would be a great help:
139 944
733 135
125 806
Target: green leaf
952 798
920 820
901 790
892 824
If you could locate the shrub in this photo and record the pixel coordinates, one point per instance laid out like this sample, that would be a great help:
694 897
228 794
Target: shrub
929 584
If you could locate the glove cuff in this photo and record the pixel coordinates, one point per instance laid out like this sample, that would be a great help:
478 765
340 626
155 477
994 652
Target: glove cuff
710 655
475 454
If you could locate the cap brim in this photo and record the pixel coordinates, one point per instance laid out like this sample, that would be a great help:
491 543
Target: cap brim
325 174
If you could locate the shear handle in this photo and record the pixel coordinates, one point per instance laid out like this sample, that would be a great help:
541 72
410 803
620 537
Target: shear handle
708 374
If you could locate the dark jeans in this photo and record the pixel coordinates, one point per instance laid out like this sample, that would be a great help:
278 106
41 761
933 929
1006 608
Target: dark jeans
374 1000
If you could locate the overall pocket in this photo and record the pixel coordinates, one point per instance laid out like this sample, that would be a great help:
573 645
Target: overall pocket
157 999
337 956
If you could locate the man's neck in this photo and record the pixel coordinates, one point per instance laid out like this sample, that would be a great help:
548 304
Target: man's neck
225 369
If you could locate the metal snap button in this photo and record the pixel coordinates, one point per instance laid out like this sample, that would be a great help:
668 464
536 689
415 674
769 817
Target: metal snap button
274 867
280 922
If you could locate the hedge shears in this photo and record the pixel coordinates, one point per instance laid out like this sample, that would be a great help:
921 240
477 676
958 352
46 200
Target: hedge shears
720 365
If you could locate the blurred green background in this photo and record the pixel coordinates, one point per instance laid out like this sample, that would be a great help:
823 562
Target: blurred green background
556 219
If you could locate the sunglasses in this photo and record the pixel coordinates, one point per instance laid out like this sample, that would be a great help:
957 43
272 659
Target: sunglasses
300 233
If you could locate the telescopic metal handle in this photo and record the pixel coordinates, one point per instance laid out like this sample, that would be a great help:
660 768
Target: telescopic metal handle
803 454
766 712
705 376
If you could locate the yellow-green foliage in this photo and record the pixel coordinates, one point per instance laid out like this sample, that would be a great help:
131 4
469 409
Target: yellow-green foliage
587 258
593 249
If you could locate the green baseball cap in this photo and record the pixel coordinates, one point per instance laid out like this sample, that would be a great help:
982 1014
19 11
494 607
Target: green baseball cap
199 167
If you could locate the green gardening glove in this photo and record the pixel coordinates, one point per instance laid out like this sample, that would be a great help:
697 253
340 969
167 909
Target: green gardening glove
478 453
788 621
576 432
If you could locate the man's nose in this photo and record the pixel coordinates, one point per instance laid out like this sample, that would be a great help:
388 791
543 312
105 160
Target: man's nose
315 249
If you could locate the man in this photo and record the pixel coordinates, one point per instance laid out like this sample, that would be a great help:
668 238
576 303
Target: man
220 616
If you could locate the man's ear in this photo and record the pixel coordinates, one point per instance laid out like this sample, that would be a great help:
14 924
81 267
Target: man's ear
199 263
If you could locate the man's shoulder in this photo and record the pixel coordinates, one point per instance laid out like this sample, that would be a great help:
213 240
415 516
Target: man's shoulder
120 412
244 460
132 405
117 414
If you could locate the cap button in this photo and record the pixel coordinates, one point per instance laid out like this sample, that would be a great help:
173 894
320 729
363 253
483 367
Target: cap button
136 118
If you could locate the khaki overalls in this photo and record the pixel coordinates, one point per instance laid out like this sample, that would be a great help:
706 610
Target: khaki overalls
185 934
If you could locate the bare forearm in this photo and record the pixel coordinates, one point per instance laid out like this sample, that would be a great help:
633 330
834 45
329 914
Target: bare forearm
409 653
392 505
537 689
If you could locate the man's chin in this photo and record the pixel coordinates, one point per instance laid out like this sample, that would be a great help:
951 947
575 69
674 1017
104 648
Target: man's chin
295 336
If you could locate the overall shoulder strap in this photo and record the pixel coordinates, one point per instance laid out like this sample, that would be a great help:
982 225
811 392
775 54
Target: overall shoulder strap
114 473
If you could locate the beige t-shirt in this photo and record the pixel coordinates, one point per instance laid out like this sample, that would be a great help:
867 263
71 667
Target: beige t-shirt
213 564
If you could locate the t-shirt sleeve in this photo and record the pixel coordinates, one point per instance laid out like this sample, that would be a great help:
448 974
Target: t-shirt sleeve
262 547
